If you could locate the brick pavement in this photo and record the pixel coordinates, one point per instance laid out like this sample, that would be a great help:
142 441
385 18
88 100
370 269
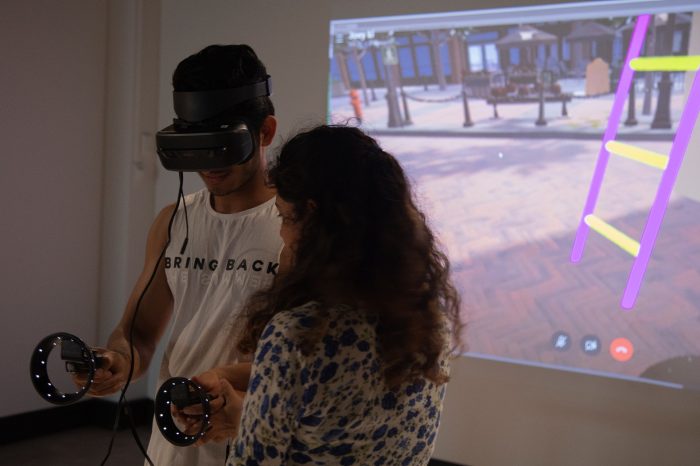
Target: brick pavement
507 212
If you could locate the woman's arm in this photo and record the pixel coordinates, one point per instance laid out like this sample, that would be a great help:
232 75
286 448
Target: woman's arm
238 375
273 404
227 386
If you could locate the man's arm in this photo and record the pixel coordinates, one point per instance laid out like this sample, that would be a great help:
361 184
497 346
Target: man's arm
152 319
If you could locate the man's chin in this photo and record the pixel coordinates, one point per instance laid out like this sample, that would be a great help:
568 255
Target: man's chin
217 183
220 191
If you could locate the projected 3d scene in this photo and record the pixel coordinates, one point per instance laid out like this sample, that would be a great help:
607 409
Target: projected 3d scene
534 144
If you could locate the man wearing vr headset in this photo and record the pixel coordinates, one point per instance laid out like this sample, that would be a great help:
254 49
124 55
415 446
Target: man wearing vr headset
223 247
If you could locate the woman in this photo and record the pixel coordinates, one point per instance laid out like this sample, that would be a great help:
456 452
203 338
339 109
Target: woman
352 341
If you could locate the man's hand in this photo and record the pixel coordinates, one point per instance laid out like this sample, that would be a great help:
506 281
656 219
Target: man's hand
110 377
225 408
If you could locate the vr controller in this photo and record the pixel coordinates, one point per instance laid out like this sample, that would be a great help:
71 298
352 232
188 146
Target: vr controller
81 359
200 138
181 392
78 358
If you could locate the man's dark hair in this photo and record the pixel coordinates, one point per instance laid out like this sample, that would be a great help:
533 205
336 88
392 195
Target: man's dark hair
224 67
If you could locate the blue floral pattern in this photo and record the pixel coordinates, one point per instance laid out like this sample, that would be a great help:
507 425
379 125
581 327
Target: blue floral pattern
331 407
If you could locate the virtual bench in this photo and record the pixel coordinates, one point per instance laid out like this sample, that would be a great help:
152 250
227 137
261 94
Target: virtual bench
495 101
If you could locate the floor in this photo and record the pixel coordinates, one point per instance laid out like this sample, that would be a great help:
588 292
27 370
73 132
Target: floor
85 446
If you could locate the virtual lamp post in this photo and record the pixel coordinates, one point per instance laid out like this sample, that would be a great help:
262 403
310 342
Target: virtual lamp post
662 116
390 59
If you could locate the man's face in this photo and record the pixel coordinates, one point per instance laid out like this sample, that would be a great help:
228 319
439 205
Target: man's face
229 180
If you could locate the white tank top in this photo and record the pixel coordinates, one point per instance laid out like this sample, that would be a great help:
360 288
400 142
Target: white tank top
228 257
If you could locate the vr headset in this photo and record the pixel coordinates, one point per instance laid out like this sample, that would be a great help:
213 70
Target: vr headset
198 139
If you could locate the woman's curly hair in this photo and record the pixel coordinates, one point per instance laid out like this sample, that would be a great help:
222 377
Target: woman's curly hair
364 243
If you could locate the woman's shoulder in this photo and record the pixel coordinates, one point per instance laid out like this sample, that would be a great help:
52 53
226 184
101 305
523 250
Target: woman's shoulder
291 323
314 314
299 316
315 322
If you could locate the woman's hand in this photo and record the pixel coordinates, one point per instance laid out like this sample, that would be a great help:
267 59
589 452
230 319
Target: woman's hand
225 408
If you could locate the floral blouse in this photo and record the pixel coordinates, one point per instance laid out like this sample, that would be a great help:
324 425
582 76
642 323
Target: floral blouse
331 407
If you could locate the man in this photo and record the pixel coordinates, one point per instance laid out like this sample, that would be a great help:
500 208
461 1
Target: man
224 247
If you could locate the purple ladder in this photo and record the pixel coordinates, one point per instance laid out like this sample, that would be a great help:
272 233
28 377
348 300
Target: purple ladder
669 164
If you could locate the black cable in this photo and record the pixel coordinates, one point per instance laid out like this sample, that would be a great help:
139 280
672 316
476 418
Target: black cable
122 396
114 433
187 222
133 431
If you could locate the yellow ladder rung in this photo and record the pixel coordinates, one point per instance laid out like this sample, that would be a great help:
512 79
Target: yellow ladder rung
672 63
613 234
644 156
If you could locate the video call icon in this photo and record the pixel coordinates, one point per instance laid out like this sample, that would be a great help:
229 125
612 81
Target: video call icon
590 344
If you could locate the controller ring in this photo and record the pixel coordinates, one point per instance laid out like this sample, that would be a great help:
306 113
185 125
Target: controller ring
164 418
39 371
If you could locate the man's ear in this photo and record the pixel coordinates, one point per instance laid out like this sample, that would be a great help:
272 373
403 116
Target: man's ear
268 130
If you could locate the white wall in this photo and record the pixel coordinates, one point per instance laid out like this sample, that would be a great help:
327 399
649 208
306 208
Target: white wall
77 117
495 413
130 160
508 414
51 127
